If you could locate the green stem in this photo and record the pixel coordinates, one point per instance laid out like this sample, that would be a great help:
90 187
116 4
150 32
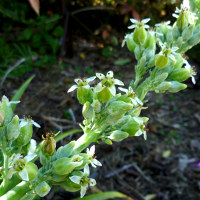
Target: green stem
85 140
29 196
17 192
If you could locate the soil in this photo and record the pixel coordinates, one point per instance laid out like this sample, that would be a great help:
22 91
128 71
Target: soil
164 167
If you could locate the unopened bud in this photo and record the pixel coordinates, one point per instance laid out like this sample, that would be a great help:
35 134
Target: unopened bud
179 75
49 144
104 95
118 136
130 43
163 87
183 20
161 60
97 106
64 166
65 151
139 35
87 111
176 87
84 95
13 129
42 189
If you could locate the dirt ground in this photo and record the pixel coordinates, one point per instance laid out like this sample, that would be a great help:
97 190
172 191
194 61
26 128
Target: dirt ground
165 167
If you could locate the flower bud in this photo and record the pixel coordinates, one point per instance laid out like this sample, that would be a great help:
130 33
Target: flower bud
96 106
87 111
49 144
26 133
163 87
104 95
183 20
32 171
122 121
42 189
13 128
130 43
176 87
65 151
84 95
2 118
64 166
6 108
161 60
108 141
139 35
150 41
118 136
179 75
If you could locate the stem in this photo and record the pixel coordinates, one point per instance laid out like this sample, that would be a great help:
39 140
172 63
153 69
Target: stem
85 140
29 196
17 192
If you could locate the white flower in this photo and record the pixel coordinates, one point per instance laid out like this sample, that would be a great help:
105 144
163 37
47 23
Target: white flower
19 163
83 180
107 81
190 70
135 100
142 125
137 23
81 83
93 160
185 8
24 122
163 23
170 52
8 103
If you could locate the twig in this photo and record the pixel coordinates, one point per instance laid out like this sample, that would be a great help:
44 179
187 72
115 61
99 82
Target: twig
19 62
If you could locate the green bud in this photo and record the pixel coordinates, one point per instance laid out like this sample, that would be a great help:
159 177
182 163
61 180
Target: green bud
137 52
118 136
32 171
25 135
163 87
6 108
96 106
176 87
180 75
58 178
108 141
150 41
161 60
64 166
42 189
140 35
183 20
65 151
87 111
2 118
122 121
131 127
130 43
104 95
135 35
160 78
84 95
13 129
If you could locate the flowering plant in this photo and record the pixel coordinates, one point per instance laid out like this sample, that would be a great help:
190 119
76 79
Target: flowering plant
109 115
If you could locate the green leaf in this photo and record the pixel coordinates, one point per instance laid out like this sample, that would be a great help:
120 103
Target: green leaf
122 62
20 91
105 195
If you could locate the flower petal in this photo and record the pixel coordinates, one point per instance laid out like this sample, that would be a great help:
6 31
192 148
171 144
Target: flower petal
138 133
24 174
132 26
193 80
75 179
133 20
83 190
30 157
72 88
92 182
96 162
23 123
100 76
32 147
92 150
109 74
77 80
138 120
99 87
35 124
118 82
86 170
123 89
146 20
90 79
112 90
11 172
